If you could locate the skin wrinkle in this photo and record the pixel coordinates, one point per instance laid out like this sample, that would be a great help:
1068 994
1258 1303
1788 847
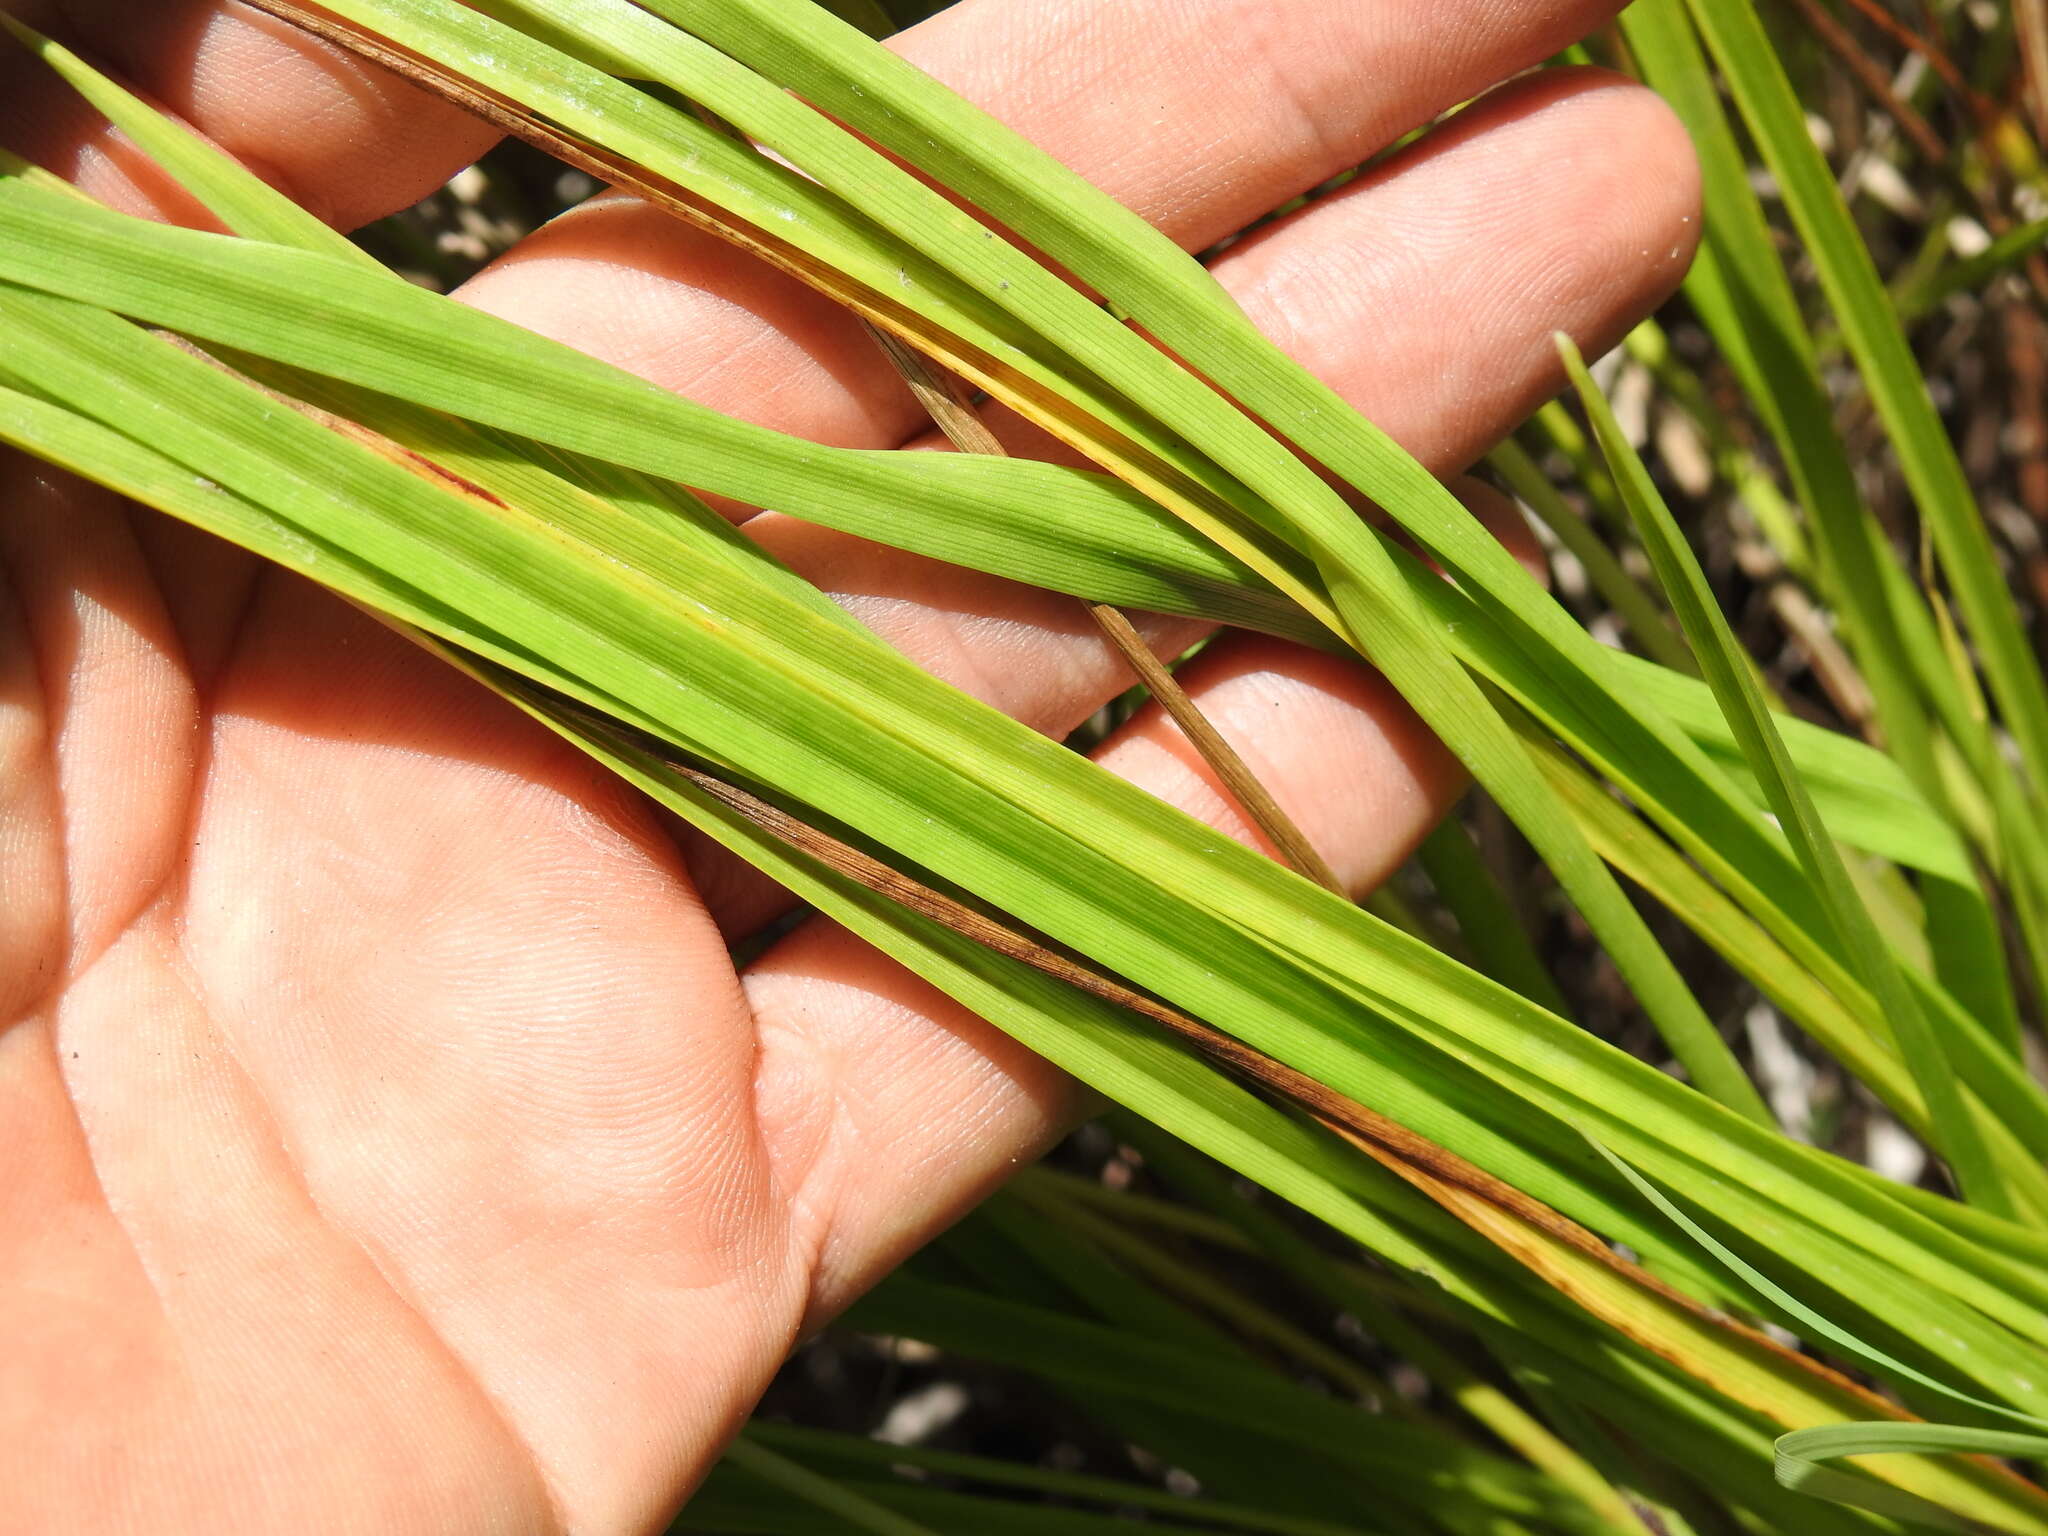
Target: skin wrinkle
346 980
179 967
53 954
1269 38
389 1267
50 955
61 970
818 1029
788 1107
176 863
93 1156
810 1209
103 632
118 1314
168 550
575 820
980 666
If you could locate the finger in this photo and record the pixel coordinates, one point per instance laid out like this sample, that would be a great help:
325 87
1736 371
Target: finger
1502 516
117 761
1428 295
353 142
1429 291
892 1108
33 918
1204 117
1223 133
1342 753
350 141
1568 200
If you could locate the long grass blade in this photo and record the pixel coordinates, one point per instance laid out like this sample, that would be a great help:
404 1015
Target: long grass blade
1728 671
1030 778
1870 326
851 1509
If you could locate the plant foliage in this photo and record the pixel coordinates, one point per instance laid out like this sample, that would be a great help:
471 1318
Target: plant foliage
534 515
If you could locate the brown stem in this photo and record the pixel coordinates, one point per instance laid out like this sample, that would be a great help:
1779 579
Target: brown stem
949 406
942 396
2030 18
1258 802
1874 79
1981 107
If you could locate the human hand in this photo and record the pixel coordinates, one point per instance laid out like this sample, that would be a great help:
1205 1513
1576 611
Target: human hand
394 1145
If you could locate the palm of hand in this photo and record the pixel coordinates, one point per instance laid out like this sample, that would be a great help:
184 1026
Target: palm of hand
395 1143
